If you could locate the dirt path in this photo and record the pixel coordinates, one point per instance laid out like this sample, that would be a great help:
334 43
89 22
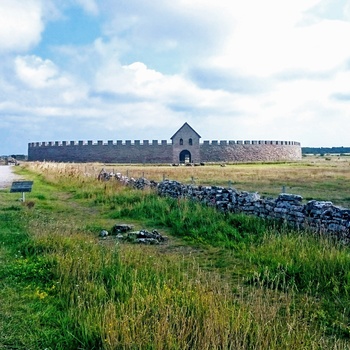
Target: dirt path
7 176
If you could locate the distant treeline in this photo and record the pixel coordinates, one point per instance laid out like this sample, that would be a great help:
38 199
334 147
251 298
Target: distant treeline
325 150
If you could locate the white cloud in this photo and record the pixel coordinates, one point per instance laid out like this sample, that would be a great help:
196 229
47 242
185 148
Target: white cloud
252 37
38 73
168 33
21 24
238 70
147 84
50 86
89 6
272 36
347 11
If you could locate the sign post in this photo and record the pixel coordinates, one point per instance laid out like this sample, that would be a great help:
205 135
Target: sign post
22 186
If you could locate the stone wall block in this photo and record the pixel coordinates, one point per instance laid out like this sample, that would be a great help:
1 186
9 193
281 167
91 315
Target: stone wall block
321 216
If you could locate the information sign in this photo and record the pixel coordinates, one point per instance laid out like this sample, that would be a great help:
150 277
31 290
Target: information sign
21 186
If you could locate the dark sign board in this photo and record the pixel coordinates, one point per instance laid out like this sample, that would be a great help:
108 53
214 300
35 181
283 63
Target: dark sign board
21 186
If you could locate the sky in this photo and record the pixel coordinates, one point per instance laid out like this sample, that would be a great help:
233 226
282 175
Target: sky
139 69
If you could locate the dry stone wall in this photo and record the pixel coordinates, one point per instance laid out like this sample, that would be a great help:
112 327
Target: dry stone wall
320 216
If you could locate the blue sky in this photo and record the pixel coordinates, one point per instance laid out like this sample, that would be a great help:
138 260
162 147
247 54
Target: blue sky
131 69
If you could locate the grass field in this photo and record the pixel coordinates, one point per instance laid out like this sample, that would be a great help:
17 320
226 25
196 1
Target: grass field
220 281
315 177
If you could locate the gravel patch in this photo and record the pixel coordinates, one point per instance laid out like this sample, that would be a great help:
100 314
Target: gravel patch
7 176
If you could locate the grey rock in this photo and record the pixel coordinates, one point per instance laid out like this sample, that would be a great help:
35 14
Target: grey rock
103 233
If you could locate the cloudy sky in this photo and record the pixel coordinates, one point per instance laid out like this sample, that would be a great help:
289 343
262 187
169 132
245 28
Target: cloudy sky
139 69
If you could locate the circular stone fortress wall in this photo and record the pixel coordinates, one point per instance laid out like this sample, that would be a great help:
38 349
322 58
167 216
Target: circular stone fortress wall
250 151
184 148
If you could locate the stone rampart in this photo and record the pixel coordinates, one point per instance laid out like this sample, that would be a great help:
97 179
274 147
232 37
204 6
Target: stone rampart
162 152
250 151
110 152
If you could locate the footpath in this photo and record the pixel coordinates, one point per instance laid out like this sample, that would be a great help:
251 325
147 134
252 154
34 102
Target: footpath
7 176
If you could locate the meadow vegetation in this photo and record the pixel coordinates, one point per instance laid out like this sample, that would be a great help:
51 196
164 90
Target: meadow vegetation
221 281
314 177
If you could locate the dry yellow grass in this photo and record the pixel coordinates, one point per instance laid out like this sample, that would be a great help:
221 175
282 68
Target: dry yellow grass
317 178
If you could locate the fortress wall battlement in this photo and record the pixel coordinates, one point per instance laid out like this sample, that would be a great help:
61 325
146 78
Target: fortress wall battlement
99 143
122 152
155 143
248 142
269 151
185 147
163 152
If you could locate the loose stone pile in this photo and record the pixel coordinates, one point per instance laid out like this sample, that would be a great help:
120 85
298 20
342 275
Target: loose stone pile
123 232
121 228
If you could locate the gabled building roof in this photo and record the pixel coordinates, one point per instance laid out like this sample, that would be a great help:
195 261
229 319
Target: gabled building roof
186 124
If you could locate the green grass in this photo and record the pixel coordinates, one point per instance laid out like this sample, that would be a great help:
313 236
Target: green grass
316 266
26 279
221 282
192 221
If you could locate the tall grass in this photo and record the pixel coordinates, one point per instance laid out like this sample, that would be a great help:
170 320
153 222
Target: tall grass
310 263
127 297
315 265
276 289
313 177
191 221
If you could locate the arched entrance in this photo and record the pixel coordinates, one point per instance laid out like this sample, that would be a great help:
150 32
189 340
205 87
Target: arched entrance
185 156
